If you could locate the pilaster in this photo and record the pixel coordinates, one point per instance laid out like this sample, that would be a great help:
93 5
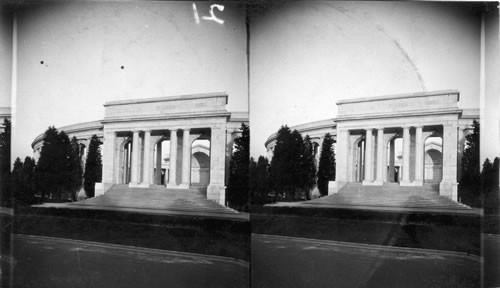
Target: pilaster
216 190
448 185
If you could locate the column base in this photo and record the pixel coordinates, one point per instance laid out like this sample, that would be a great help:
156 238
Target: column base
372 183
414 183
418 183
217 193
405 183
184 186
139 185
177 186
449 189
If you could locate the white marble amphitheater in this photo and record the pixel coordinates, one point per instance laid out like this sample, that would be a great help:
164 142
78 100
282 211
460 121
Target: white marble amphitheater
408 140
198 129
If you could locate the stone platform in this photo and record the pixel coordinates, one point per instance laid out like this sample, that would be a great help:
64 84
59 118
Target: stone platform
389 197
155 200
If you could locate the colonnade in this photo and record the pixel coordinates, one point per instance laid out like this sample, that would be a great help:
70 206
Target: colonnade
375 159
142 157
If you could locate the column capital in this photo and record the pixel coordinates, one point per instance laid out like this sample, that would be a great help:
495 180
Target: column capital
408 126
146 130
419 126
135 131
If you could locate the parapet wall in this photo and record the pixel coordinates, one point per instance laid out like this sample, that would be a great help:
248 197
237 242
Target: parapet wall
399 104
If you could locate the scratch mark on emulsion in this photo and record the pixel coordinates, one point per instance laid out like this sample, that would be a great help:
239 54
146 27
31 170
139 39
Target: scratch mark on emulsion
405 55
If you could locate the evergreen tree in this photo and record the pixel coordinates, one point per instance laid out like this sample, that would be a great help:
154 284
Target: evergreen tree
489 186
48 168
239 170
75 168
470 180
280 169
17 183
5 191
93 167
470 159
64 166
259 180
23 181
308 169
326 167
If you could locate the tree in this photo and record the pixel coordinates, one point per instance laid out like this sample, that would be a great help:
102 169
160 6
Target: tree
239 170
279 169
470 179
56 166
259 180
307 171
489 186
23 181
5 191
17 181
75 168
326 167
48 166
470 159
292 167
93 167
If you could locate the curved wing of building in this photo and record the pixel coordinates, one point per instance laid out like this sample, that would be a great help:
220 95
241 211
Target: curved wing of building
409 139
133 133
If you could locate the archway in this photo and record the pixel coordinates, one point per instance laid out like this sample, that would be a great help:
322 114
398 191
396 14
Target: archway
126 161
394 159
359 159
161 161
200 163
433 160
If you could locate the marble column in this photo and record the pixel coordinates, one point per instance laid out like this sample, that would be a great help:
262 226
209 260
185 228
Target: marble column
186 157
392 154
406 156
419 156
380 157
135 158
173 159
147 159
158 163
368 156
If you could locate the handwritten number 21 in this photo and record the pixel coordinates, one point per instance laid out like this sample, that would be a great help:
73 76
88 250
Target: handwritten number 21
212 16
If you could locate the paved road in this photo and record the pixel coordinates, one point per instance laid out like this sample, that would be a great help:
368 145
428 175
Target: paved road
55 262
296 262
491 250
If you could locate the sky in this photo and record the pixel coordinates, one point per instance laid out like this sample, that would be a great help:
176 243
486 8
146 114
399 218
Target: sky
74 57
305 56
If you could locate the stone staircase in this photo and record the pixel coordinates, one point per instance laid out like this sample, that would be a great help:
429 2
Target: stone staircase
391 196
157 198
